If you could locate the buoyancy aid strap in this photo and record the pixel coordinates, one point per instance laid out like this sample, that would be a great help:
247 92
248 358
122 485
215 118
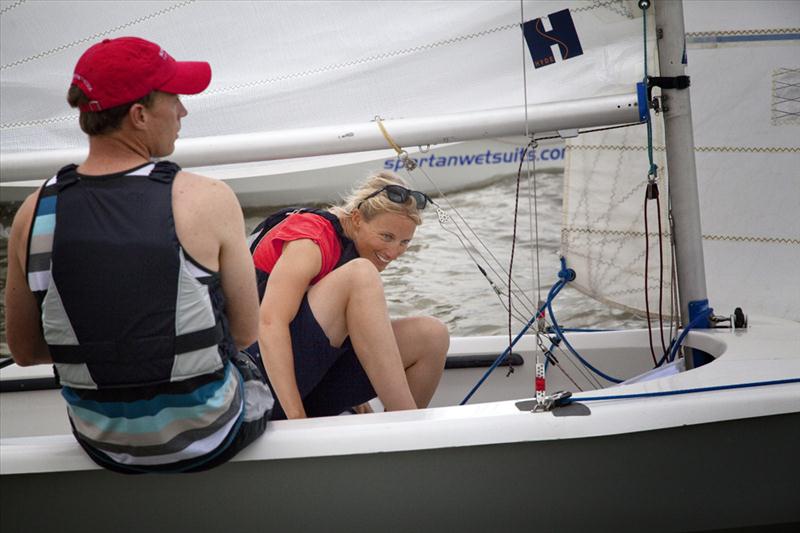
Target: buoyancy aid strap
164 171
268 223
189 342
105 351
67 176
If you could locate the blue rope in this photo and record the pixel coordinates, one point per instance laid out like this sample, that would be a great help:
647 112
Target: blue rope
584 330
554 290
677 344
653 167
560 334
680 392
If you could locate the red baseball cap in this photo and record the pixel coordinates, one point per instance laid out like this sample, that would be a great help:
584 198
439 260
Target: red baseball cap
122 70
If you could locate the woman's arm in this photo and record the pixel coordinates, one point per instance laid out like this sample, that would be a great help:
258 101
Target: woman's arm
299 263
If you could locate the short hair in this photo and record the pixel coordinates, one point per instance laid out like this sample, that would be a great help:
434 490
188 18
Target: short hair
106 121
377 204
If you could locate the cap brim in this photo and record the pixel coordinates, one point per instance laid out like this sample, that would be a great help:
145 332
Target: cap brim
191 77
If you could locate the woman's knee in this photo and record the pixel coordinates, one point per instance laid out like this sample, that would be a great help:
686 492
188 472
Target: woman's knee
362 274
437 334
340 284
428 336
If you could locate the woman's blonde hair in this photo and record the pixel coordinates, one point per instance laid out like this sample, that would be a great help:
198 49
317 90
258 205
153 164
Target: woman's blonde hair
379 203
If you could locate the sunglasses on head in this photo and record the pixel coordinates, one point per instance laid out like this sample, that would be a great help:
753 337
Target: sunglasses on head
399 195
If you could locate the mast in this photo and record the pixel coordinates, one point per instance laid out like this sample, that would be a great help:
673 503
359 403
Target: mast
679 140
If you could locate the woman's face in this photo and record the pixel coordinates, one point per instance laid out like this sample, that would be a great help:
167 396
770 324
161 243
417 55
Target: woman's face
384 238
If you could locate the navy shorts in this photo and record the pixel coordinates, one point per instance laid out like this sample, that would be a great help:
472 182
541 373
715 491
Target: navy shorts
330 379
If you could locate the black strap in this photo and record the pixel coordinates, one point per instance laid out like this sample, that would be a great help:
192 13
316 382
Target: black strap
164 171
666 82
67 176
92 352
669 82
189 342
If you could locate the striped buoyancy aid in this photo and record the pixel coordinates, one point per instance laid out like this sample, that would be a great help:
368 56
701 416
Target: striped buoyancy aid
348 248
136 328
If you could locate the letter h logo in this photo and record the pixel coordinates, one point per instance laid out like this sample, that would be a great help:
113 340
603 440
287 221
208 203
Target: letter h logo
563 34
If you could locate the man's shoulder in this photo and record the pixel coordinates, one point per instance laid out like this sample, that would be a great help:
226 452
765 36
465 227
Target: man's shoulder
199 179
195 188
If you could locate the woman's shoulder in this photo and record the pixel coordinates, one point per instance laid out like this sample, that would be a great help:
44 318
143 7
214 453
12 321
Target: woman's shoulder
305 223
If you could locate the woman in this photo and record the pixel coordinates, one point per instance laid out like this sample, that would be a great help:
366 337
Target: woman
325 336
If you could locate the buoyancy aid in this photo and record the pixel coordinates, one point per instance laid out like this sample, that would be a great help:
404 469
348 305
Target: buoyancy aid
122 302
348 248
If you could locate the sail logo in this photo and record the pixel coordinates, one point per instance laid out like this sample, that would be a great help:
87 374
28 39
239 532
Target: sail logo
541 41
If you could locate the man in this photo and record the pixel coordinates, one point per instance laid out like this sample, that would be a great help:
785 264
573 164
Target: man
135 280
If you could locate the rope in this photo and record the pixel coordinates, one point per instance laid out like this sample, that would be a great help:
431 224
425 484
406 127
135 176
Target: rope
679 392
514 244
409 166
652 193
388 137
679 341
553 292
560 334
533 224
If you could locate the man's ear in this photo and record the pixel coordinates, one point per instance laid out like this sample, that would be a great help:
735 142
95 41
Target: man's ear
138 116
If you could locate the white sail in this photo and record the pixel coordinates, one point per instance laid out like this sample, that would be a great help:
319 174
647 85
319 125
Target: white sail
614 447
745 83
288 65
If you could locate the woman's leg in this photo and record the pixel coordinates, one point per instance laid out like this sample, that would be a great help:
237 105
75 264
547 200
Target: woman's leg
350 302
423 342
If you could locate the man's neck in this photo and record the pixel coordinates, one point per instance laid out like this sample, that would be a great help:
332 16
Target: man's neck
109 154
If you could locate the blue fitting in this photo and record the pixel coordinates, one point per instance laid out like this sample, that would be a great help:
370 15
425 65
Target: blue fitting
641 98
699 309
567 274
700 317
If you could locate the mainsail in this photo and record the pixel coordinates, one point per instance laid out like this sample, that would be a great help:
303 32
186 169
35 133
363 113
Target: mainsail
745 83
288 65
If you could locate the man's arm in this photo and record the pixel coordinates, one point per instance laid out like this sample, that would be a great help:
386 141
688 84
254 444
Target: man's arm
23 316
238 274
210 226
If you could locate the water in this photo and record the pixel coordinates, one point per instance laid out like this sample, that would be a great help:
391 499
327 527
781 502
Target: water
436 277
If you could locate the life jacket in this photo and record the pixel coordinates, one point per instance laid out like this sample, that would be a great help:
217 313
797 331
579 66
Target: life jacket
123 304
348 247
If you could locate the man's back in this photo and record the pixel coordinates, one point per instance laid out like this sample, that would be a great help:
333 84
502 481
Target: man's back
134 278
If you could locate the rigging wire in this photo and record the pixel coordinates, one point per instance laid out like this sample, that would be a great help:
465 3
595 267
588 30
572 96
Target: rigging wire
513 247
519 294
535 279
444 217
587 376
512 309
410 165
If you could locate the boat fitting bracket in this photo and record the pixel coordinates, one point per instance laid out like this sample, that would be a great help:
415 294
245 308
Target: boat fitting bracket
557 399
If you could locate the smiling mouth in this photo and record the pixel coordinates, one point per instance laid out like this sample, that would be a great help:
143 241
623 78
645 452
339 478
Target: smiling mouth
383 259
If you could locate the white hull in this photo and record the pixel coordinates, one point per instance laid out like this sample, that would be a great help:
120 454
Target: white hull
324 179
490 466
